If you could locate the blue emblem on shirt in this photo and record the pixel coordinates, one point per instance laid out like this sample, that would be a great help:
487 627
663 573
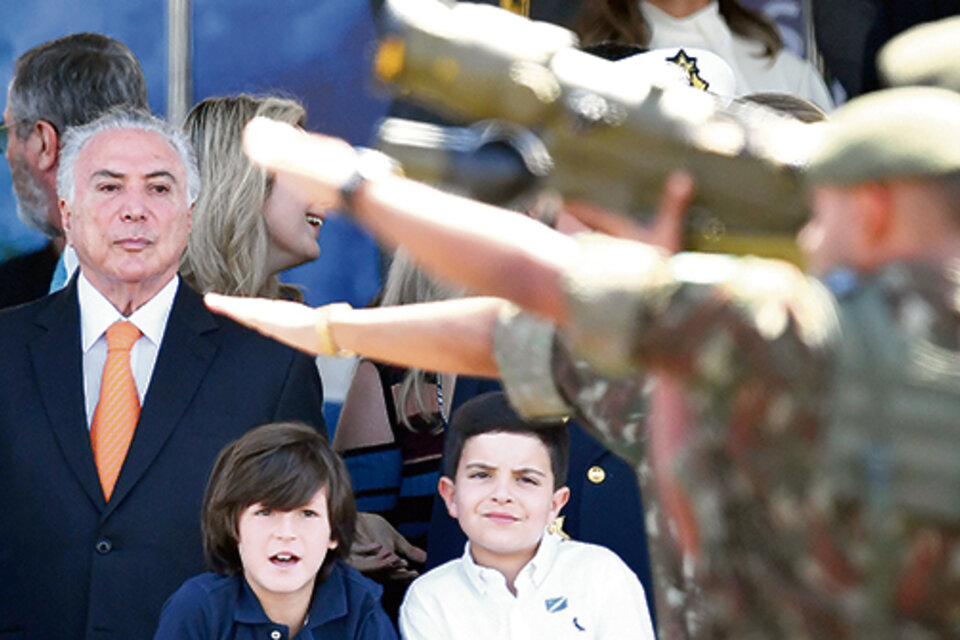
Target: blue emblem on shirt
556 604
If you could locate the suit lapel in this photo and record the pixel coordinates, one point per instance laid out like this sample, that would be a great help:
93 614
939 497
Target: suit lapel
57 361
185 355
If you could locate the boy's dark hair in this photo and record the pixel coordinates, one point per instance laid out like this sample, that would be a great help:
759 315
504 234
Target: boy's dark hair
492 413
280 465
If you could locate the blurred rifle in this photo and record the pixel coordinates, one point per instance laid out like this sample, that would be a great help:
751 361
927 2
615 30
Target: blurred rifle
601 135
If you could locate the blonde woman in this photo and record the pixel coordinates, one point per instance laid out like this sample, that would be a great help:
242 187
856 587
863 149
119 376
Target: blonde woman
248 225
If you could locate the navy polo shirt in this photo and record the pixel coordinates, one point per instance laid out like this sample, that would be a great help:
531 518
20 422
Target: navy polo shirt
346 605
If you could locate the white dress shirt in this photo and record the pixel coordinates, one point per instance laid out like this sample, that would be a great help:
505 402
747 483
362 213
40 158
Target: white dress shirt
706 29
97 314
569 589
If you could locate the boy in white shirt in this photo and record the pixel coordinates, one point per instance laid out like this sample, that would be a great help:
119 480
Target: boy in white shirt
503 481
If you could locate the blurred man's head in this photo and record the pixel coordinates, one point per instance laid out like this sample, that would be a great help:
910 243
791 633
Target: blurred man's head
923 55
885 181
59 84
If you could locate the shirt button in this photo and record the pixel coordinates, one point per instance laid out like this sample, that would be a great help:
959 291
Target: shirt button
104 546
275 634
596 474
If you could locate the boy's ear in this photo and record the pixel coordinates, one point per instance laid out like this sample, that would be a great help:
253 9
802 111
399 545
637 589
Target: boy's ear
447 490
333 544
560 497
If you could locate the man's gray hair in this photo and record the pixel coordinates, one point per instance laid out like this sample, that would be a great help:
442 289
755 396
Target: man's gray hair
118 119
72 80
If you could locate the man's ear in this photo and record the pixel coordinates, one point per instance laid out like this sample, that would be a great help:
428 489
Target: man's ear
447 490
560 498
876 211
47 145
65 215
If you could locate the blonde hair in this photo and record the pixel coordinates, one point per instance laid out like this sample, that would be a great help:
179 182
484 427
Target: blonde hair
407 284
227 250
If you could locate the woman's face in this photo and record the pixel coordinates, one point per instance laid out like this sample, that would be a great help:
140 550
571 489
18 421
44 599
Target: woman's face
680 8
293 223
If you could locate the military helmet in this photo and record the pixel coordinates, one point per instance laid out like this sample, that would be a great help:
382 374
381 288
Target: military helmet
928 54
908 132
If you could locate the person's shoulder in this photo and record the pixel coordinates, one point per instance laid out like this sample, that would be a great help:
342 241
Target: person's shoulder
807 82
364 613
189 307
26 314
206 587
357 585
199 606
587 559
439 581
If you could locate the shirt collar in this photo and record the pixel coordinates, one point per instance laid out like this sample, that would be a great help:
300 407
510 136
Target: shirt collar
249 610
97 313
329 602
537 569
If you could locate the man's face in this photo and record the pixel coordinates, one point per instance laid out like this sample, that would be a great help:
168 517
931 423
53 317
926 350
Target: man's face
503 496
129 219
33 203
826 240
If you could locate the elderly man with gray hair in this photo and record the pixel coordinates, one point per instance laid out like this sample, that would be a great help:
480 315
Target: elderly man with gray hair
116 394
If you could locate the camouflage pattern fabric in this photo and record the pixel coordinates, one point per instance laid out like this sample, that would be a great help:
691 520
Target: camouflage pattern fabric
802 437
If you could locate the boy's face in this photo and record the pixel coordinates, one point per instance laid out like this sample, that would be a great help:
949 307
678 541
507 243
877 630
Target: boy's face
282 551
503 496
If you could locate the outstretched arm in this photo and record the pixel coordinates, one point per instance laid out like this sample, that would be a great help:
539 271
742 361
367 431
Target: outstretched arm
453 335
489 250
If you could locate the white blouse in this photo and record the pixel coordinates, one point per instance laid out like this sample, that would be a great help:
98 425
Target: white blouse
706 29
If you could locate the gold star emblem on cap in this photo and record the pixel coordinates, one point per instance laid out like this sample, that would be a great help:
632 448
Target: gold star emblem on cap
690 68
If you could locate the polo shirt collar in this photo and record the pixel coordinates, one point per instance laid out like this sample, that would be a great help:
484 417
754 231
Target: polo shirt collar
329 602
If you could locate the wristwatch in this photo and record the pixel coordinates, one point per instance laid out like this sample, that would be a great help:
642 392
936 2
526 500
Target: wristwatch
370 165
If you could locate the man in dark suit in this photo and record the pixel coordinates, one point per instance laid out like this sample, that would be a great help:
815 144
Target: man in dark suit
84 554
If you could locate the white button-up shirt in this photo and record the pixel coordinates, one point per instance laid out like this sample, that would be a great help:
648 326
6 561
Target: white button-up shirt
568 590
97 314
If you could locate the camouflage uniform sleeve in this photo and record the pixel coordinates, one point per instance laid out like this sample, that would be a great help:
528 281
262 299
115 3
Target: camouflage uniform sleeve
523 349
702 315
543 380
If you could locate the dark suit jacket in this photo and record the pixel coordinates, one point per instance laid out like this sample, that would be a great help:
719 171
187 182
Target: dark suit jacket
72 566
27 277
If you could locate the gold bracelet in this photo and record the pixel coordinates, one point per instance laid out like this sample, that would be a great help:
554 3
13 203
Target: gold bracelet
327 345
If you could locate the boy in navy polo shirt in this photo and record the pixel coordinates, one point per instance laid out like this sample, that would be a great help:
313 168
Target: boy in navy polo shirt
503 480
278 515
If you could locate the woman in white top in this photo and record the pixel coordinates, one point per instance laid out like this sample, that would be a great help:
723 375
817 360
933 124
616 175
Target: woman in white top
747 40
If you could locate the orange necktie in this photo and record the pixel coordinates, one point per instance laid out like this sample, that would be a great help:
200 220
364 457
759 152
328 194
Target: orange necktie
118 409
